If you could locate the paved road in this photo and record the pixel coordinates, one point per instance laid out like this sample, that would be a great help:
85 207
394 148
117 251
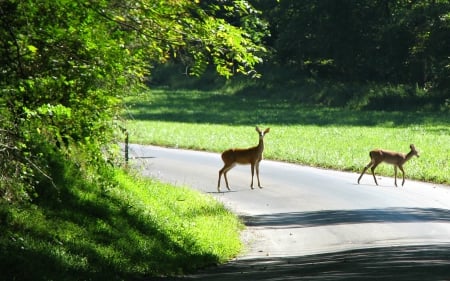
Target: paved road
314 224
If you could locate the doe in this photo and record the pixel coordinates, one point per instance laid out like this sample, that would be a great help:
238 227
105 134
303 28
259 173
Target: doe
397 159
252 156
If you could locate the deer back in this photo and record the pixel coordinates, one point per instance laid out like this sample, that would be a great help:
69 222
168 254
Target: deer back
390 157
241 155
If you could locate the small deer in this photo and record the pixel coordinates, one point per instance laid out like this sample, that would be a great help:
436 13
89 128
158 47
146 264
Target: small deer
394 158
252 156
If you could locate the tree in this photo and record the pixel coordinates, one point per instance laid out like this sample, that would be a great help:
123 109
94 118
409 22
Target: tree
388 41
65 67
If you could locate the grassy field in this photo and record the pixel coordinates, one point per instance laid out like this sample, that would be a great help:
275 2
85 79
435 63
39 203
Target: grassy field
316 136
129 230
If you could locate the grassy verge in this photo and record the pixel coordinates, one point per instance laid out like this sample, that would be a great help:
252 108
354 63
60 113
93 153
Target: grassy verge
316 136
127 230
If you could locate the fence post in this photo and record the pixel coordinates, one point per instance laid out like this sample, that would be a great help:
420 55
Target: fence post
126 147
124 130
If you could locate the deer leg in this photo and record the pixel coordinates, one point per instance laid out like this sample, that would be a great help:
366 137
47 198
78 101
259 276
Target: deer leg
403 173
395 175
225 175
221 171
253 171
257 174
224 171
226 180
373 173
364 170
218 182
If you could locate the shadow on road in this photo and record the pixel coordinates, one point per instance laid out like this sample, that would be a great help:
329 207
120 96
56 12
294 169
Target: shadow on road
430 262
400 263
337 217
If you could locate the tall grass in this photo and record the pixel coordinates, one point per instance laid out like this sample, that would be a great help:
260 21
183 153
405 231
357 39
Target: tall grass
318 136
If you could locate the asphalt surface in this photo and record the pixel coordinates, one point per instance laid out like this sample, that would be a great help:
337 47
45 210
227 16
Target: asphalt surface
314 224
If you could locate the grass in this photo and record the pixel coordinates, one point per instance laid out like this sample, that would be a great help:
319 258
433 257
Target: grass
126 230
311 135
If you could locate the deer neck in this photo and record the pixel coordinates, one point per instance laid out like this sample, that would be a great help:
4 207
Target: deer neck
409 155
260 145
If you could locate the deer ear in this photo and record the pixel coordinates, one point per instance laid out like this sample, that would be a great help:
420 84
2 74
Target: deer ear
412 147
267 130
258 130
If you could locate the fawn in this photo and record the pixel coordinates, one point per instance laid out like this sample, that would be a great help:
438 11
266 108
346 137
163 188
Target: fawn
394 158
252 156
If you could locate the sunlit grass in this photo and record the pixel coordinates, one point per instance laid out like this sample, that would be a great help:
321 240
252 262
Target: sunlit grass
192 220
135 229
324 137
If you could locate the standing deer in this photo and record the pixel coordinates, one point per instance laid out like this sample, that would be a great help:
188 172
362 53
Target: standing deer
252 156
394 158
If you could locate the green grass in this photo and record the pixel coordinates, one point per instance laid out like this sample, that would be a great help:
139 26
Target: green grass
312 135
126 230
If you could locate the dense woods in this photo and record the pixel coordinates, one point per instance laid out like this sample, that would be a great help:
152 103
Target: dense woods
396 41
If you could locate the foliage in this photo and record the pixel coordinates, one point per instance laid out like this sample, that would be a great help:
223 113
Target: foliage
125 230
284 82
65 67
313 135
394 41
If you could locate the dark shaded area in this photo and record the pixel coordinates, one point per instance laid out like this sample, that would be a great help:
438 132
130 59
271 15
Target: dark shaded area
362 40
418 262
427 262
337 217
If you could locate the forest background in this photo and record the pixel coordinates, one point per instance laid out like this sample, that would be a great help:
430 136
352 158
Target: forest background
382 55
